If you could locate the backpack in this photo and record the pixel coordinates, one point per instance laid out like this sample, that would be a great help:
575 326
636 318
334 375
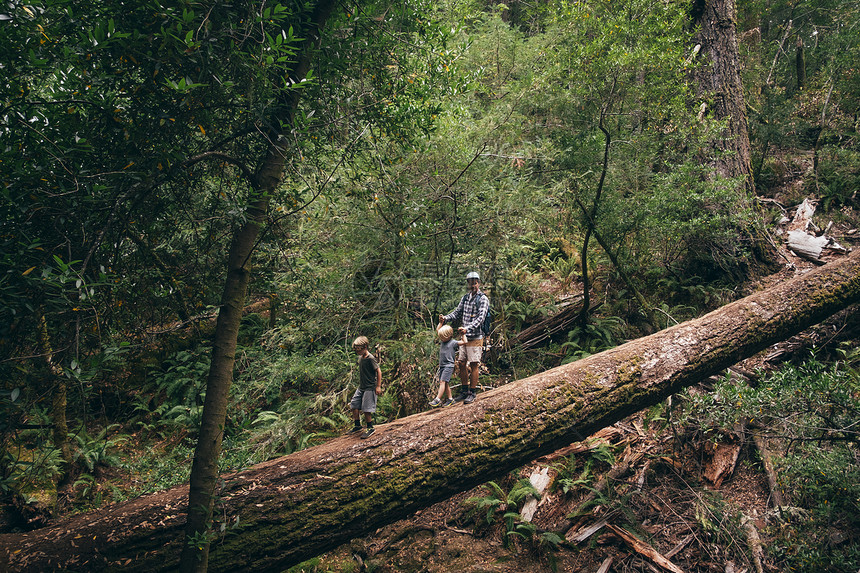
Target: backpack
488 321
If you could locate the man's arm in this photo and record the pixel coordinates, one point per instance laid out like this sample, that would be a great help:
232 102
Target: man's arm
454 314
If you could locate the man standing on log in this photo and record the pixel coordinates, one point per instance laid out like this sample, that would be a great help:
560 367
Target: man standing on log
472 312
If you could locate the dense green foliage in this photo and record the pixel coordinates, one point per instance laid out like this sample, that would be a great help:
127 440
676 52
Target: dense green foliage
432 139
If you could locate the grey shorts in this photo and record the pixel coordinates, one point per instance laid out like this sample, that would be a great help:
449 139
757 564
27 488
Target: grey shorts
445 373
364 400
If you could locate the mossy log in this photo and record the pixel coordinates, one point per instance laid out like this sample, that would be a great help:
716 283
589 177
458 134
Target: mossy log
284 511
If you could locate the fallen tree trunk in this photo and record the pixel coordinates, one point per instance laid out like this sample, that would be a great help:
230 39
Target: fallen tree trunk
284 511
549 328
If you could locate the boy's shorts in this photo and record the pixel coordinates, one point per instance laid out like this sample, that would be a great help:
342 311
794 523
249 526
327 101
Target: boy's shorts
471 351
364 400
445 373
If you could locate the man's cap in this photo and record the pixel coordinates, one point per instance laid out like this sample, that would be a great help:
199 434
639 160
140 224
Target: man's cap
473 275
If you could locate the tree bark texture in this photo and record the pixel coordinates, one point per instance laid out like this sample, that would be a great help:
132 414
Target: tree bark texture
720 79
287 510
800 64
204 470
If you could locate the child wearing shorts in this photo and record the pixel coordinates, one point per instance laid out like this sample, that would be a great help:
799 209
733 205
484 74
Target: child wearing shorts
369 387
447 355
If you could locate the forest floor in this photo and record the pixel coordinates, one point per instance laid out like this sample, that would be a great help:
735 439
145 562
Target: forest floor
658 492
648 496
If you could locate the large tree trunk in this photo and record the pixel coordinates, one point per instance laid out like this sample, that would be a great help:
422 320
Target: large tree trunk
720 79
281 512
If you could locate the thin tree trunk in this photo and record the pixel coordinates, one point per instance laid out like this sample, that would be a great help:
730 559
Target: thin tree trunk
816 147
628 281
289 509
589 226
58 390
204 470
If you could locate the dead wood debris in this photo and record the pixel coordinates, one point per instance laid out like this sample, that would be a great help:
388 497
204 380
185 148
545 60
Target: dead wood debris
776 497
630 474
807 240
754 542
644 549
556 325
723 457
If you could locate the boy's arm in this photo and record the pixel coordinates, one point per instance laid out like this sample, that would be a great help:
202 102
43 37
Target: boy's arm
378 380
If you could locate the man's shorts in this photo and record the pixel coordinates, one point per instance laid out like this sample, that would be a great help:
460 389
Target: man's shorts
471 351
445 373
364 400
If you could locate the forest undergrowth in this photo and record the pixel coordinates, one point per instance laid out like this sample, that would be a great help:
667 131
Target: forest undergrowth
659 476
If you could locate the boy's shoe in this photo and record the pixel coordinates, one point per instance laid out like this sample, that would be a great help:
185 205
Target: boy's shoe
369 431
435 402
354 429
447 402
470 398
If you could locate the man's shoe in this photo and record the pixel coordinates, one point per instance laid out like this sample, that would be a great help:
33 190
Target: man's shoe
447 402
461 396
435 402
354 429
368 433
470 398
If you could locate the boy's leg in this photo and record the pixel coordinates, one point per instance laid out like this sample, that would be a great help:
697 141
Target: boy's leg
368 407
448 400
356 426
370 429
355 405
438 399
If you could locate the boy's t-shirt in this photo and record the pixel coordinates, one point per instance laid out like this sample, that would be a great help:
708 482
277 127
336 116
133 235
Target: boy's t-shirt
367 368
447 353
